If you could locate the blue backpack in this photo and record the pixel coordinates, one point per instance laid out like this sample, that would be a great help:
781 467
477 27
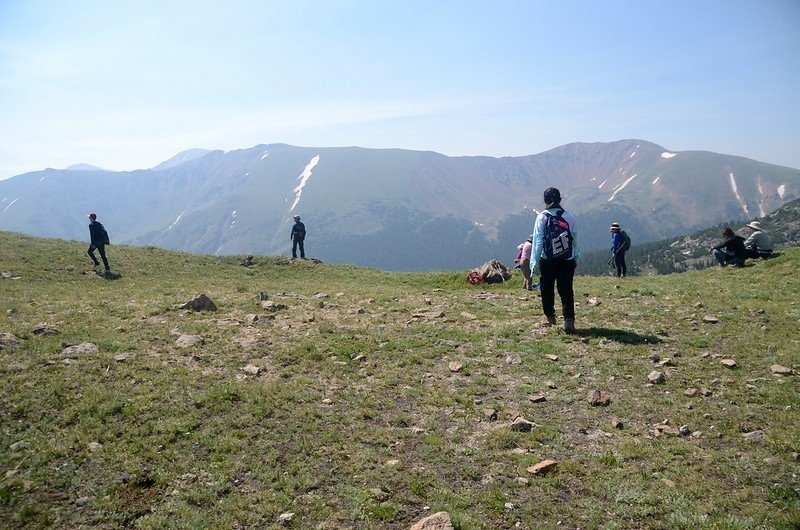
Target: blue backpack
557 237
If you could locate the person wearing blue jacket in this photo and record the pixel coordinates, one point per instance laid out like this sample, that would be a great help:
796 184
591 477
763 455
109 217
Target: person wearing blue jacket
555 253
618 250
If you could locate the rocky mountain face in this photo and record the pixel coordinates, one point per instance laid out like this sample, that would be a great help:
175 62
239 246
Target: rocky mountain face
395 209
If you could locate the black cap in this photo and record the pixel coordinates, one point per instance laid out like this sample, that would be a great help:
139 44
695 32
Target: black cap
552 196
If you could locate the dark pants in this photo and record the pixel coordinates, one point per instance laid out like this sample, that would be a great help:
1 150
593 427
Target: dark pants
727 259
619 261
755 253
298 243
558 273
102 250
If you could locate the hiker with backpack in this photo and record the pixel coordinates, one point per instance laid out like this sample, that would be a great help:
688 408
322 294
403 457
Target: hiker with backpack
99 240
620 244
759 244
555 253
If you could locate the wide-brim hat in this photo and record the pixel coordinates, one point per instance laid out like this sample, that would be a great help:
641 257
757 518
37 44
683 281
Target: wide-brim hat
615 226
296 217
755 225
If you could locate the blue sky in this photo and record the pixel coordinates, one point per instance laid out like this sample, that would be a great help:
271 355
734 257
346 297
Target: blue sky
127 84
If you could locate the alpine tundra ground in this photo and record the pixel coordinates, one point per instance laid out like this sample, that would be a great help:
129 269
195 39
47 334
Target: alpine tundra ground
354 398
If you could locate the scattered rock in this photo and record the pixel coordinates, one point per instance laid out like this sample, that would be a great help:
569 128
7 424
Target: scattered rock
777 369
684 430
552 357
656 377
378 494
655 357
251 369
706 392
9 340
513 358
44 329
448 343
668 482
617 423
95 446
22 444
82 501
455 366
538 398
551 385
665 362
79 349
187 341
542 467
320 296
121 357
358 358
522 481
468 316
199 303
520 424
691 392
437 521
728 363
754 436
489 414
392 463
598 398
710 320
262 296
269 305
593 302
286 518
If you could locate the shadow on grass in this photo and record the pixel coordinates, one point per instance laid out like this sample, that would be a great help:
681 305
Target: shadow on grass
110 276
618 335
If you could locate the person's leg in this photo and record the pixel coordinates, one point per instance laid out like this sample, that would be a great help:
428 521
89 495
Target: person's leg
91 255
547 282
619 262
102 250
720 256
564 278
624 265
302 250
294 248
525 267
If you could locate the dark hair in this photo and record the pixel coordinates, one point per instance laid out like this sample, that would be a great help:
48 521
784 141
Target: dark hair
552 196
727 232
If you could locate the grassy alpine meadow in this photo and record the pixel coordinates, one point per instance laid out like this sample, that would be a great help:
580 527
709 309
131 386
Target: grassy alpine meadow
355 398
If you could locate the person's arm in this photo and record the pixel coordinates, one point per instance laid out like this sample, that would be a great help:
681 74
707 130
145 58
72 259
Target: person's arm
576 250
615 237
538 241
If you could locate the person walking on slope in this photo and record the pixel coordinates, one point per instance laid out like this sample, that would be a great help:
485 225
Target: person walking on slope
759 244
99 240
298 235
555 253
731 251
618 249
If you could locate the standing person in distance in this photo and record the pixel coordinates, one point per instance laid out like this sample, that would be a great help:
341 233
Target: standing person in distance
525 262
298 235
99 240
618 249
555 253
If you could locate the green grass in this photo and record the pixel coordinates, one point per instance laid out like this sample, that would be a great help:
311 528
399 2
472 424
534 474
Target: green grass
355 419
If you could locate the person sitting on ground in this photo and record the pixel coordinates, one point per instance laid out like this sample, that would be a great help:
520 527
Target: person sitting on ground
759 244
731 251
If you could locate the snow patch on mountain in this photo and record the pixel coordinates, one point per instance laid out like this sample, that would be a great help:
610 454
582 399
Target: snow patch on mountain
176 220
632 154
602 184
655 180
617 190
303 178
265 155
10 205
667 155
736 192
782 190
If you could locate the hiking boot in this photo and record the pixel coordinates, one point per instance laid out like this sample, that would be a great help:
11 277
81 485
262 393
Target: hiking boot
549 321
569 325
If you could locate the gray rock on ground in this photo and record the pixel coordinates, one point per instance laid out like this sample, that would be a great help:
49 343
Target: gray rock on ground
79 349
200 302
437 521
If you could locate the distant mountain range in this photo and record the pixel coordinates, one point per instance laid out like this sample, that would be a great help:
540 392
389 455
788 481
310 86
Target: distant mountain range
395 209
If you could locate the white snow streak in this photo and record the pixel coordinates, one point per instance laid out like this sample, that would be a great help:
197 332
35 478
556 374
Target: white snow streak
782 190
655 180
603 184
622 187
633 153
176 220
477 223
41 179
667 155
736 192
760 189
761 210
11 204
265 155
592 179
303 178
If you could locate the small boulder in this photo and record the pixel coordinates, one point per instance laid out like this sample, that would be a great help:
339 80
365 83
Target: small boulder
187 341
44 329
455 366
754 436
538 398
598 398
777 369
690 392
656 377
200 302
543 467
728 363
437 521
710 320
79 349
251 369
520 424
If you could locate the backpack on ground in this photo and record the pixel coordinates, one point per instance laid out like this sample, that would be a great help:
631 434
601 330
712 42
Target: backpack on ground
625 245
557 237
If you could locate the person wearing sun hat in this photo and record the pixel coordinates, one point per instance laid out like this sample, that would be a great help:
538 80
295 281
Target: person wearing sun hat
620 242
759 244
298 236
